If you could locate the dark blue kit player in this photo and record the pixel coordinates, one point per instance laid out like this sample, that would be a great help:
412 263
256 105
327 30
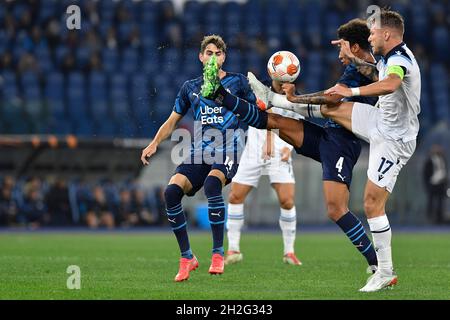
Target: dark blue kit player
336 148
219 138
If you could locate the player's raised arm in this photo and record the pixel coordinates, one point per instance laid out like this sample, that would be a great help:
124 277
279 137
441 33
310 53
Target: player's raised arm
366 68
164 131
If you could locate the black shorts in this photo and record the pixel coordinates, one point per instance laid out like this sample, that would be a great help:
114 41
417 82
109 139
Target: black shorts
197 173
336 148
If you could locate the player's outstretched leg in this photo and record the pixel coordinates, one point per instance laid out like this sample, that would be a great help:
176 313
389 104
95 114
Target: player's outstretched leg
213 90
188 262
216 213
268 99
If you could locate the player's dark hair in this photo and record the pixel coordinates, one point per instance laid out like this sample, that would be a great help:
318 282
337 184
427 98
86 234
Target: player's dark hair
355 31
392 19
214 39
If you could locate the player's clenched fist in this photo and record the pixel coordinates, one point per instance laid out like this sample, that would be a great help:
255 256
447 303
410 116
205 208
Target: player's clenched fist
289 90
148 152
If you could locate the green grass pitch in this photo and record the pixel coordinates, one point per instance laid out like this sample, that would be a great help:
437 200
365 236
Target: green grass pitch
142 266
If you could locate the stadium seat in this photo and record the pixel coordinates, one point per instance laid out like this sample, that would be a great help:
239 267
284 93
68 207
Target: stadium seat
82 57
127 127
140 97
105 128
441 47
129 61
54 86
110 59
60 53
29 79
83 127
33 103
76 97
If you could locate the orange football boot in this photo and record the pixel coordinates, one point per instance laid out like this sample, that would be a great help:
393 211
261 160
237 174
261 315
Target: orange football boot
217 264
186 266
261 105
290 258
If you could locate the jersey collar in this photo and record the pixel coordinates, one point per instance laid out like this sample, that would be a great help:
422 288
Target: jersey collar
393 50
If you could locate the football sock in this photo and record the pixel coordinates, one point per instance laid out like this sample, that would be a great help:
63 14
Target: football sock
245 111
216 211
382 234
306 110
354 230
235 221
177 219
288 225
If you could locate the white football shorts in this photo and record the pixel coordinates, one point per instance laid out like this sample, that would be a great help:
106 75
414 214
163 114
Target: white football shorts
386 156
251 169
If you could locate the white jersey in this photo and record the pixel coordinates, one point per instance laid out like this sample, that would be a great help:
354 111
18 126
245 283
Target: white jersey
399 110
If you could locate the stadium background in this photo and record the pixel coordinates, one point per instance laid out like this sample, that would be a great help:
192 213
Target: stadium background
77 106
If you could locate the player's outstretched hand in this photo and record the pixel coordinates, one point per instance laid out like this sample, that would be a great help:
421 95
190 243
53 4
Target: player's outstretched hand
339 90
289 90
148 152
267 151
345 47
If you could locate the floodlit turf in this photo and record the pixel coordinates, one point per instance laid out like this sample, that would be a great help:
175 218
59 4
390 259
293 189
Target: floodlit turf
143 265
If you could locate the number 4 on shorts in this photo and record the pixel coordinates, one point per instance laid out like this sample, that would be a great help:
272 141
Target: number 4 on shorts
340 164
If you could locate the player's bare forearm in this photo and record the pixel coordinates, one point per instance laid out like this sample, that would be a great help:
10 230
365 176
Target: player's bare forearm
379 88
314 98
164 131
383 87
366 68
167 128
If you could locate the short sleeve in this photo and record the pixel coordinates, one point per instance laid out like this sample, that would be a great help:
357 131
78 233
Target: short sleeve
182 102
400 60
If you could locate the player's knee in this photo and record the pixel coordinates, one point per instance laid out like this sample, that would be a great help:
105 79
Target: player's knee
173 194
335 210
235 198
287 203
372 205
212 186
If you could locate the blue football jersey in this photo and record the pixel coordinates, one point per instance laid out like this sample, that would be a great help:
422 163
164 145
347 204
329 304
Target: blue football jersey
352 78
212 119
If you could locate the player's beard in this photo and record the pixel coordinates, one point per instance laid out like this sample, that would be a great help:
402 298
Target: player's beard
377 50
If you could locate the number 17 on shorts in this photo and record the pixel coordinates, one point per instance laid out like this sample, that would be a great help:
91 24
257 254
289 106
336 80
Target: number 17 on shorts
384 172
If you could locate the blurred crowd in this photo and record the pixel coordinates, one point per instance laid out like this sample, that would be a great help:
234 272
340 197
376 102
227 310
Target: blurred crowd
129 58
34 202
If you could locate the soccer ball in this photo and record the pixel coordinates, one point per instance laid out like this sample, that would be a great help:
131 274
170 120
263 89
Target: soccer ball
283 66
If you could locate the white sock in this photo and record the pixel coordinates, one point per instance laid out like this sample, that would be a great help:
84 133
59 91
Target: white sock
381 235
288 225
306 110
235 221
